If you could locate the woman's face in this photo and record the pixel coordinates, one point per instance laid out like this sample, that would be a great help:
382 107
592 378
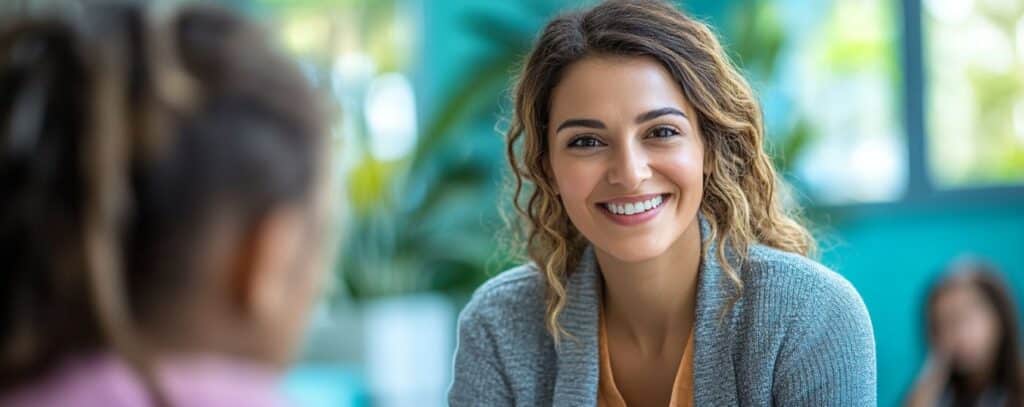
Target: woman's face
967 328
626 155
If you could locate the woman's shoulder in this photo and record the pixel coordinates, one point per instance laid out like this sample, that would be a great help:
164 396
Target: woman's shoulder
504 354
817 325
792 274
793 289
516 282
511 295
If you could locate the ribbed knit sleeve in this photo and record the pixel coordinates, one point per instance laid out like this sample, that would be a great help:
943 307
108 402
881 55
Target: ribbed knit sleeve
479 376
828 355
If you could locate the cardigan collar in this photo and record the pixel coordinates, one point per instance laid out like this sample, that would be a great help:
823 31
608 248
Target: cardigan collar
576 381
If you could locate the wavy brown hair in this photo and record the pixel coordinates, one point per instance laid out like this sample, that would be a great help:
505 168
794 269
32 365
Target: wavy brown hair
741 200
125 132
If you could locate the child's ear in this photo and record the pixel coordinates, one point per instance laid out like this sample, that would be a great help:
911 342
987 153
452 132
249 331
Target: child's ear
267 256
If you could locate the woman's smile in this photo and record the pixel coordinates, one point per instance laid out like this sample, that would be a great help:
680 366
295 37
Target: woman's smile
634 210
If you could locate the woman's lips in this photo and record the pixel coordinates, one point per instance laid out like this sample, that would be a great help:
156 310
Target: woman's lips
634 210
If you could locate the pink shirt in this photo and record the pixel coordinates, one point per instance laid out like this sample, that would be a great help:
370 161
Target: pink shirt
105 381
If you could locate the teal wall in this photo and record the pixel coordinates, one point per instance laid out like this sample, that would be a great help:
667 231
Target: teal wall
890 252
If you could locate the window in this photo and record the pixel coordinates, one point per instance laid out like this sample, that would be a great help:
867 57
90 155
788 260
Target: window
828 76
974 66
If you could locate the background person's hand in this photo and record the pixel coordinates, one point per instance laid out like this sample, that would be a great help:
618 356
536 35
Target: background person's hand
931 380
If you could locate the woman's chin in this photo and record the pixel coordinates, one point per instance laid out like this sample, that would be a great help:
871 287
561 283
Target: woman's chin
638 252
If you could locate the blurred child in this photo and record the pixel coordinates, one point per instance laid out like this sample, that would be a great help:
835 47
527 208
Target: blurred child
159 220
973 335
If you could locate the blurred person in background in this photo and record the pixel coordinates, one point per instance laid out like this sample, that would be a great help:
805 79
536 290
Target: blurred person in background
160 226
972 330
665 270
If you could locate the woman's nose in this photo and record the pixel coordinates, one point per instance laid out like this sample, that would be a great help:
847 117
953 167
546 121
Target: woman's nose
630 167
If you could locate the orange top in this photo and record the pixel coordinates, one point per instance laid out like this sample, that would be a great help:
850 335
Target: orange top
682 388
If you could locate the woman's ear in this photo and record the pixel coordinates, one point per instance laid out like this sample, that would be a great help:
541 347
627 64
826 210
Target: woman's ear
267 256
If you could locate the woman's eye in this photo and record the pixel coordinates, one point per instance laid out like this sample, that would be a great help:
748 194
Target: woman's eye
664 132
585 142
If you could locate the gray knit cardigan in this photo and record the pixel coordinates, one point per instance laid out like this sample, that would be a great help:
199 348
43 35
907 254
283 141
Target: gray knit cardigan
799 335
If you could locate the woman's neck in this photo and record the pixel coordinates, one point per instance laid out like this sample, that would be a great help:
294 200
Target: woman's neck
653 301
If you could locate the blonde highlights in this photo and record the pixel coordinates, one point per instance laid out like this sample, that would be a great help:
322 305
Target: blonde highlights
742 193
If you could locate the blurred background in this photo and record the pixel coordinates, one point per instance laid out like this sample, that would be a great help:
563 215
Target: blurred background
899 122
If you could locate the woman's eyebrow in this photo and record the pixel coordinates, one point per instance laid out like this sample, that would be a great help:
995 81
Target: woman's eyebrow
656 113
597 124
588 123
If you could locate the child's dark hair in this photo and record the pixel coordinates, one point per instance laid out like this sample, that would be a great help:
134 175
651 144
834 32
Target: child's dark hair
124 132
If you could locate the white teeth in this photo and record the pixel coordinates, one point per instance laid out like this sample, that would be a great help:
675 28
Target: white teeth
633 208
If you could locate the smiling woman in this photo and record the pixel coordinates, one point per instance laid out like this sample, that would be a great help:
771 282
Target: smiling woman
664 270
